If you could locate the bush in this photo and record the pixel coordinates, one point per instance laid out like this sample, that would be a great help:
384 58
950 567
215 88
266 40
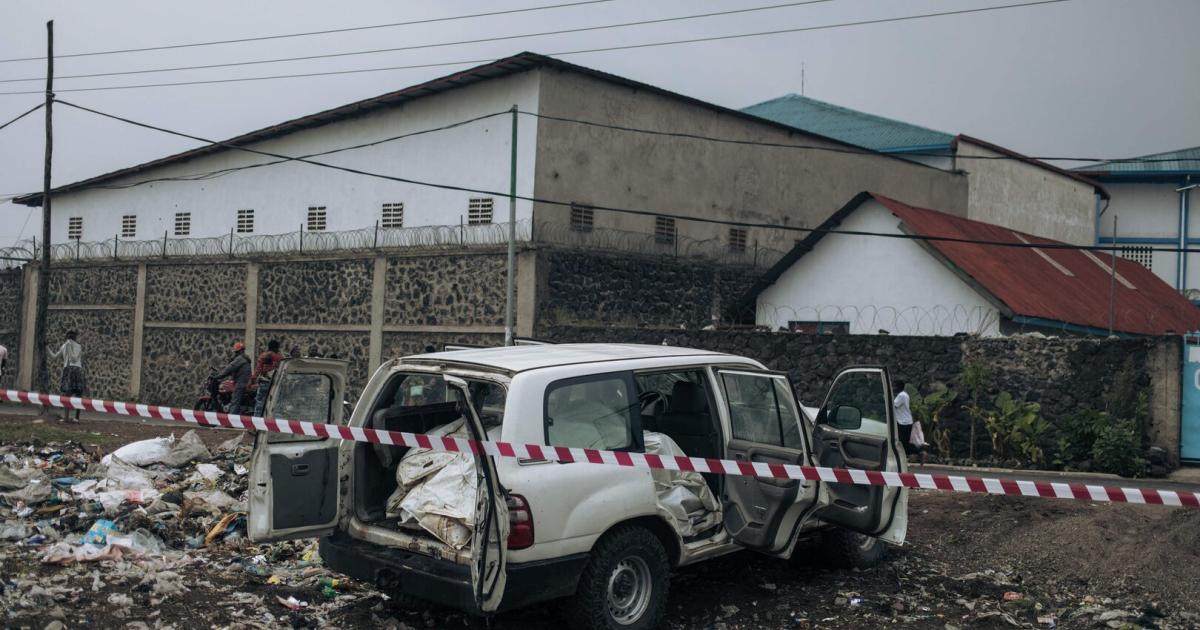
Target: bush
1117 449
1076 435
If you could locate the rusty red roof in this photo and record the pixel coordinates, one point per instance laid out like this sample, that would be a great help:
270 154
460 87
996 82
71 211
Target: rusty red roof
1063 285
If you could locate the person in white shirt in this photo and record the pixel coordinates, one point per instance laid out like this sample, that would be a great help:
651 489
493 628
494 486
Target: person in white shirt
72 382
903 413
3 360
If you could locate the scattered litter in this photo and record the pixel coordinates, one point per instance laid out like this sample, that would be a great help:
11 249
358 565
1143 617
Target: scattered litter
1013 596
291 602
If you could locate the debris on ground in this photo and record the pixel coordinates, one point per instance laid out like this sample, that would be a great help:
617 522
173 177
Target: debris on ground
151 533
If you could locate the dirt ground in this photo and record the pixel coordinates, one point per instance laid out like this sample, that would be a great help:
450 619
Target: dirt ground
972 561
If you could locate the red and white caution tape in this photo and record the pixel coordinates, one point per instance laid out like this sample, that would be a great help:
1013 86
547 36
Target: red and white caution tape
956 483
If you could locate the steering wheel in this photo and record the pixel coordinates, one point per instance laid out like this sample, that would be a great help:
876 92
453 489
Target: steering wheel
651 398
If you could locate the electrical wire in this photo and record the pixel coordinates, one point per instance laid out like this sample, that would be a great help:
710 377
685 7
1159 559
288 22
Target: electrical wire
26 113
810 147
560 53
308 33
631 211
226 171
424 46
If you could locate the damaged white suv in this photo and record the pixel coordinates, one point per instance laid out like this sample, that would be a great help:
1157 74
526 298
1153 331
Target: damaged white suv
487 534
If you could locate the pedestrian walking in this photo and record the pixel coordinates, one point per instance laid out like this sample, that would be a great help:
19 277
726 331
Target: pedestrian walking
239 370
903 413
72 382
264 374
3 360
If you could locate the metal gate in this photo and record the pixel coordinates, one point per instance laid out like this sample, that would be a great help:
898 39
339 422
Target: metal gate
1189 413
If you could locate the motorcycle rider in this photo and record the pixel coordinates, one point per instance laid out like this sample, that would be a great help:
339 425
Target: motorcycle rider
239 370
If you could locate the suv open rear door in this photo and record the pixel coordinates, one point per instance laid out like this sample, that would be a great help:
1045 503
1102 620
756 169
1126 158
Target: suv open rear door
856 428
294 478
489 541
762 512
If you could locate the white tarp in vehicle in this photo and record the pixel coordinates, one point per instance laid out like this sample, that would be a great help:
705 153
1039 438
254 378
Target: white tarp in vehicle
683 497
436 490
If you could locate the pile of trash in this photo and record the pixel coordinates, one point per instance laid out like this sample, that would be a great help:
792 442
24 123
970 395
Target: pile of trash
152 498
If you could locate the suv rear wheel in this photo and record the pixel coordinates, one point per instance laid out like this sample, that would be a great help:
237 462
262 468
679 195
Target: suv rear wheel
852 549
624 584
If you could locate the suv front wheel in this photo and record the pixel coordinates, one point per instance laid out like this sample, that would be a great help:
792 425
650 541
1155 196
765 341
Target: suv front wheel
624 584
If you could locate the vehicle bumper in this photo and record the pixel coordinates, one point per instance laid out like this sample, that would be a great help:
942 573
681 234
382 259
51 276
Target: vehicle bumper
445 582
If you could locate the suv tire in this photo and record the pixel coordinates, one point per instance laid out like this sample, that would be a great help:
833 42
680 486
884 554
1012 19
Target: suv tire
624 585
852 549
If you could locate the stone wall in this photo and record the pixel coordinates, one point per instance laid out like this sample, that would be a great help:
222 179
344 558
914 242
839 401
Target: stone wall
315 292
11 287
435 291
589 288
103 283
175 363
196 293
1062 374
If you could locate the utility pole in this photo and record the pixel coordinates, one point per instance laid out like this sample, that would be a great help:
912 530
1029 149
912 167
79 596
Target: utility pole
512 236
43 283
1112 281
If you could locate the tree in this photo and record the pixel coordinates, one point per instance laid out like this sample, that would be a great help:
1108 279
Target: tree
976 379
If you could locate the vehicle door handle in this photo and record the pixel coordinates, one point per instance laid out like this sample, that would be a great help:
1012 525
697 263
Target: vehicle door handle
299 470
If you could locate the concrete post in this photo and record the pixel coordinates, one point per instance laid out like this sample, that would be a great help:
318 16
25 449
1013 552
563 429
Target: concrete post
26 369
378 287
1165 364
139 321
251 309
527 281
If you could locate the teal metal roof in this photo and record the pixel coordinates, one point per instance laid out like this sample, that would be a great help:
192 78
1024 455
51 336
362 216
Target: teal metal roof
1179 162
848 125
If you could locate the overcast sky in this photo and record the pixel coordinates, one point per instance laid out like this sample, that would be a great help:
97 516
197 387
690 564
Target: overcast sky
1105 78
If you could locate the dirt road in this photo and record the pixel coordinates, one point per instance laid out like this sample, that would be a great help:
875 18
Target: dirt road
972 561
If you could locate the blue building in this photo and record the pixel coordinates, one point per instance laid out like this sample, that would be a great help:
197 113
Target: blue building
1152 201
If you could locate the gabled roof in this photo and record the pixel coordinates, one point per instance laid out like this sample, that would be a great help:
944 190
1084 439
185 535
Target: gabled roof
1069 286
1079 177
849 125
1181 162
500 68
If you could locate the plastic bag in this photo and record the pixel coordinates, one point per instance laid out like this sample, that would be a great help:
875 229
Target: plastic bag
98 533
125 475
142 453
189 447
917 438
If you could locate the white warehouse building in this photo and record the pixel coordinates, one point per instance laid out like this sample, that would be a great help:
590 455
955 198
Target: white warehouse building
580 141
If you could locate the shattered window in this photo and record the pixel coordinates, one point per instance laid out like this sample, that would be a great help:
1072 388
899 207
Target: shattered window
302 397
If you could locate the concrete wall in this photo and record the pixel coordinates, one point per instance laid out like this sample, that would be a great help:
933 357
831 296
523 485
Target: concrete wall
876 284
475 155
699 178
1027 198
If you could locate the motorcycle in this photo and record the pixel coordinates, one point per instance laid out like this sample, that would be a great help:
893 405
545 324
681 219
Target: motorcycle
217 396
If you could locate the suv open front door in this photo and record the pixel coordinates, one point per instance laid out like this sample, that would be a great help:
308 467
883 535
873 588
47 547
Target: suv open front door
856 428
762 512
294 478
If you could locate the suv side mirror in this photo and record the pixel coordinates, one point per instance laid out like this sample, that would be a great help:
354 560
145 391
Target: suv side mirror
847 417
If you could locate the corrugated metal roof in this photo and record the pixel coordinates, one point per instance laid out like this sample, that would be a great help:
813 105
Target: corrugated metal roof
1022 279
1180 161
848 125
1032 286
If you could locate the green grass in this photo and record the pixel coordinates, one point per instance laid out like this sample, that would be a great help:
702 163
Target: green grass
52 431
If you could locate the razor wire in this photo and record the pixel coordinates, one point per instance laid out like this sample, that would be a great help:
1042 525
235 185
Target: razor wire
377 238
935 319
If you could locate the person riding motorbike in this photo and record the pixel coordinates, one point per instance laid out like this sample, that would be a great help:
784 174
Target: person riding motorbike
239 370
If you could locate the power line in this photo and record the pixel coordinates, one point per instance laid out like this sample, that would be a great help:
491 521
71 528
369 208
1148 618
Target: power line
305 34
811 147
560 53
26 113
226 171
631 211
424 46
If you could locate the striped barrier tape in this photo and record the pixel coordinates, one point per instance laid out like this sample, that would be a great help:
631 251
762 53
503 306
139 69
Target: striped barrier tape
956 483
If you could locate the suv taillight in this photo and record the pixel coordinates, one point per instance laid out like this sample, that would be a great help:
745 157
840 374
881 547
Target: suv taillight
520 522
